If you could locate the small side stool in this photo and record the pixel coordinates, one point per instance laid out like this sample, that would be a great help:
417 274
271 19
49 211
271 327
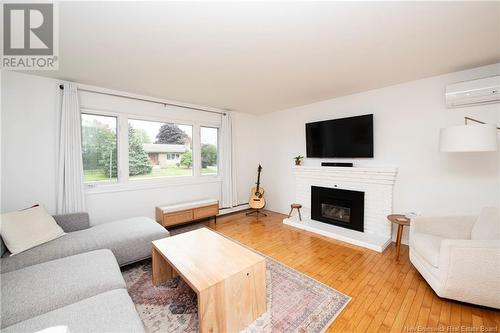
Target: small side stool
296 206
400 220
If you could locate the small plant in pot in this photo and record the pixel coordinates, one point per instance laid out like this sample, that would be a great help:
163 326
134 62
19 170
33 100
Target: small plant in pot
298 159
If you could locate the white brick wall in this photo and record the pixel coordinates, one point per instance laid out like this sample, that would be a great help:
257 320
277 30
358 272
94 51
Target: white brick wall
377 183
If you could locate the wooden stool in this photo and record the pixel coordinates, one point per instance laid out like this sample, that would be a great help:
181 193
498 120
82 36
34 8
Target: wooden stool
298 207
400 220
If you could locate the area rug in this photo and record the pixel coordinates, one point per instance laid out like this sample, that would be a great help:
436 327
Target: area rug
188 227
295 302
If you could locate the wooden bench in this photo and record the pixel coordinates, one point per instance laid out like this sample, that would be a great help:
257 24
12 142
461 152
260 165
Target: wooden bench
187 212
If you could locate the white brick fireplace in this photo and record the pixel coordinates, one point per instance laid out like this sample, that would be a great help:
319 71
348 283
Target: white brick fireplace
376 183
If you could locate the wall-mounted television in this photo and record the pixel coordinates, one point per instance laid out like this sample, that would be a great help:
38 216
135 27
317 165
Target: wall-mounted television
344 137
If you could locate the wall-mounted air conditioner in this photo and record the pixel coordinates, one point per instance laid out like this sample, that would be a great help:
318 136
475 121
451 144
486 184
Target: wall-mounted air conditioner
475 92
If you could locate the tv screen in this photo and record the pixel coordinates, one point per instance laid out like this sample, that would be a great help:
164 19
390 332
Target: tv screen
345 137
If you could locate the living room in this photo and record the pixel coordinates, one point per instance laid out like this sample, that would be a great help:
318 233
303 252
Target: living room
207 166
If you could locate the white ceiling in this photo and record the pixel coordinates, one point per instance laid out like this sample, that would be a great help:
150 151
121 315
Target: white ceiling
259 57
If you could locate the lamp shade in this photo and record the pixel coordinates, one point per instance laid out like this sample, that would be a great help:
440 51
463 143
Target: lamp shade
468 138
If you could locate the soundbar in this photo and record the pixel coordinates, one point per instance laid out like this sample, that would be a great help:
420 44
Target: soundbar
336 164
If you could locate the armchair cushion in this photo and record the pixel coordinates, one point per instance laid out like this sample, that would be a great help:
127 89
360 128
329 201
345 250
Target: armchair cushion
487 226
449 227
428 247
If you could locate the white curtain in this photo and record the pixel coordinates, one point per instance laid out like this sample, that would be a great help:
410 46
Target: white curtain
70 192
229 195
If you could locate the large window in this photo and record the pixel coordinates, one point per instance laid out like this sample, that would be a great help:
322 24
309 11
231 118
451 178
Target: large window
159 149
209 138
99 152
116 148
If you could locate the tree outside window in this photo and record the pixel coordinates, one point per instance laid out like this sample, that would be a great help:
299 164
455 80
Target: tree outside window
99 148
209 137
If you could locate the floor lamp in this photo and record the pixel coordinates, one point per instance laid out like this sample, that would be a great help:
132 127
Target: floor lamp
479 137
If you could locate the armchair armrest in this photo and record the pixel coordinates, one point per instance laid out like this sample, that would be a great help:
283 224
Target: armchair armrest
471 270
450 227
73 222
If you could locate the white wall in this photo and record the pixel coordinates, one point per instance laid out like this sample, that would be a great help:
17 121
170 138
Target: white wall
29 154
407 121
245 127
407 118
29 144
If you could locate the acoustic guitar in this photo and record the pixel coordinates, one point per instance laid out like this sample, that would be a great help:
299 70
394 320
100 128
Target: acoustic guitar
257 200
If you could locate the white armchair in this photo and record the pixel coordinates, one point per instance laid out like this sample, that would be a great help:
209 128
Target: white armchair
459 256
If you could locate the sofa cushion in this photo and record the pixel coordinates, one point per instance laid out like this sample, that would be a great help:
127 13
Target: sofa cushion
427 246
487 226
38 289
73 221
112 311
129 240
28 228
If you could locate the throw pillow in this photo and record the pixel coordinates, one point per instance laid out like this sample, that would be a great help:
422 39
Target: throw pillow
28 228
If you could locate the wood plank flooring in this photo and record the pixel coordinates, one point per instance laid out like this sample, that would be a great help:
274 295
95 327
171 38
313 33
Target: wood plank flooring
387 296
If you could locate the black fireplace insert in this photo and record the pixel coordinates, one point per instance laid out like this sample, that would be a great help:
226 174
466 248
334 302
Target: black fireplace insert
343 208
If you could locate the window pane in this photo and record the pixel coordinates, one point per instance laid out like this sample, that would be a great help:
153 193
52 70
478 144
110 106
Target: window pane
209 137
159 149
99 153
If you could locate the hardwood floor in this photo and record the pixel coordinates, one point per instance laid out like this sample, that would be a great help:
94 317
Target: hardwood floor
387 296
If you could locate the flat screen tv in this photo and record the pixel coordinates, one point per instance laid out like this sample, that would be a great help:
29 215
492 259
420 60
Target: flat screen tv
345 137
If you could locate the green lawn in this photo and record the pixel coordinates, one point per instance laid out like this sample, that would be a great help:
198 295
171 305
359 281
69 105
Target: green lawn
164 172
209 170
98 175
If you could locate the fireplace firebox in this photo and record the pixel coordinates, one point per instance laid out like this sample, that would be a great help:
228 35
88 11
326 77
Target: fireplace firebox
343 208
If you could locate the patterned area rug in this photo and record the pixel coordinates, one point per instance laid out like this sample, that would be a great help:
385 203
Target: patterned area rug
295 302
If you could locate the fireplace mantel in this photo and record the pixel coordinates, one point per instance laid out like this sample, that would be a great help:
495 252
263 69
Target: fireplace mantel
376 182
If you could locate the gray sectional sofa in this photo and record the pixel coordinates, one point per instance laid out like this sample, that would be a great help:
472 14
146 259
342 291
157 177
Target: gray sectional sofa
75 280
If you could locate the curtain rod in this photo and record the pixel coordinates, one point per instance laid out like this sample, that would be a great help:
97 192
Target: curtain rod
146 100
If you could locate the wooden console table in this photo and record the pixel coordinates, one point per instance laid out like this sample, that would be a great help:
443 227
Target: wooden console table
187 212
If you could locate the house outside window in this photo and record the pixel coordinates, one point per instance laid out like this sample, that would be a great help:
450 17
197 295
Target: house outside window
159 149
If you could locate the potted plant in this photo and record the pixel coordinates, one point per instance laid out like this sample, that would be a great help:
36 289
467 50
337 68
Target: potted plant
298 159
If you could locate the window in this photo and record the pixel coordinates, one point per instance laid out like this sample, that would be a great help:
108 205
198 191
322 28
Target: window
152 149
99 152
159 149
209 137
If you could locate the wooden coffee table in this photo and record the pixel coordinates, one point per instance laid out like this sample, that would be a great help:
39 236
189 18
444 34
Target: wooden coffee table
229 279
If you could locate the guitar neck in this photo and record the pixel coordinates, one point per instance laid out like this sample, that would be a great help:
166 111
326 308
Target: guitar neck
258 180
